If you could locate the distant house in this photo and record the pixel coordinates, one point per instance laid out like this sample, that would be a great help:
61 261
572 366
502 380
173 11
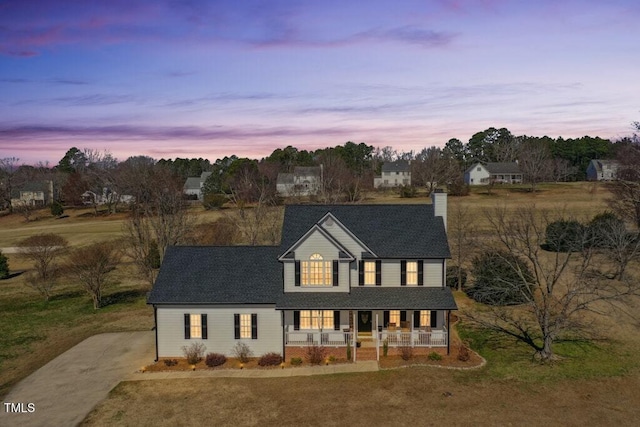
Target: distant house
107 197
393 174
304 181
493 173
37 193
193 185
602 170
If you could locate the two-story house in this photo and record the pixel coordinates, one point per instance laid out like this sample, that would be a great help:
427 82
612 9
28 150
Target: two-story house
304 181
602 170
193 185
493 173
393 174
343 275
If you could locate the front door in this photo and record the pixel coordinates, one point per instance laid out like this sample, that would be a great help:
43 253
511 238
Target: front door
364 321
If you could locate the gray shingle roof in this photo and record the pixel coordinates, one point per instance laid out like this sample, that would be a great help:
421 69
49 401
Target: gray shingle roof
503 167
192 183
381 298
218 275
397 166
391 231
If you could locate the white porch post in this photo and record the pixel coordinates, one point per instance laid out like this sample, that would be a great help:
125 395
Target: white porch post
377 340
355 333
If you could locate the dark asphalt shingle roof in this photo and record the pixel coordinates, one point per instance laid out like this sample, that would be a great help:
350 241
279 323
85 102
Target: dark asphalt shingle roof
397 166
378 298
503 167
218 275
390 231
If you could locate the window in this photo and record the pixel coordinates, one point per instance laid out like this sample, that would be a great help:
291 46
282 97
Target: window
245 326
394 317
316 319
425 317
369 273
316 272
412 272
195 326
479 169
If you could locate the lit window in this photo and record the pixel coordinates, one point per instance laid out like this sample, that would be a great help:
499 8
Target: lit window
369 273
394 317
245 326
425 318
316 272
195 322
412 272
316 319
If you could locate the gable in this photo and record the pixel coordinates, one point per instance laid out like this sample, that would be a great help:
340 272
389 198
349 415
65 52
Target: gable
316 240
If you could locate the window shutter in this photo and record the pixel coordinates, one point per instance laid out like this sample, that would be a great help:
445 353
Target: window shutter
385 317
420 272
336 320
254 326
335 273
378 272
236 325
403 273
416 319
203 322
434 318
361 273
403 316
187 326
297 273
296 320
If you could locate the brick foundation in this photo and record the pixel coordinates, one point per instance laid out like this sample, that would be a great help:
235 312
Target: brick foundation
362 353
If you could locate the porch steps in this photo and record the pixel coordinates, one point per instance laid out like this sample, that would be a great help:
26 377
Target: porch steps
366 353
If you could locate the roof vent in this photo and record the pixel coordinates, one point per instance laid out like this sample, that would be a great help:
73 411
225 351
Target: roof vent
329 222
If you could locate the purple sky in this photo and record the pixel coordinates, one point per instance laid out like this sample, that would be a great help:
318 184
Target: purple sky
188 78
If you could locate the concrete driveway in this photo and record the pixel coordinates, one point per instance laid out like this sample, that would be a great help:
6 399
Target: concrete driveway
66 389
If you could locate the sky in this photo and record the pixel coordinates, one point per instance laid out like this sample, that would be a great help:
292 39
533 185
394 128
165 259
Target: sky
189 78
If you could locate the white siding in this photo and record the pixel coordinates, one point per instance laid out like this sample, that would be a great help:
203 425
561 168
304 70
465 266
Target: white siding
220 329
288 319
432 270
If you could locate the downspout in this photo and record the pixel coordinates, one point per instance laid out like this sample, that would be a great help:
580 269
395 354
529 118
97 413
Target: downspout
448 331
155 327
284 356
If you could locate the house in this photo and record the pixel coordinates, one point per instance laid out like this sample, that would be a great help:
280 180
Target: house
193 185
393 174
304 181
493 173
343 275
107 197
35 193
602 170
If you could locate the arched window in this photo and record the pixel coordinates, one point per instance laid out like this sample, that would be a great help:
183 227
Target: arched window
316 271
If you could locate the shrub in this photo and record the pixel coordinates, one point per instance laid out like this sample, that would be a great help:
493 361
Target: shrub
170 362
316 354
4 266
407 191
599 228
153 257
434 356
463 353
406 352
458 187
56 208
332 358
349 350
270 359
500 279
242 352
385 348
215 359
213 201
565 236
296 361
194 352
452 277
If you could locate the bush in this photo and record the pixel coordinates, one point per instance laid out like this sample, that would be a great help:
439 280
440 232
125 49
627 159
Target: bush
242 352
316 354
170 362
56 208
452 277
458 187
214 201
500 279
407 191
463 353
194 352
385 348
565 236
296 361
434 356
4 266
215 359
153 257
599 228
406 352
270 359
349 350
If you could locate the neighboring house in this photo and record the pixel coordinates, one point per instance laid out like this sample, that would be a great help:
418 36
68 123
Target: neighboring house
107 197
602 170
343 275
37 193
493 173
193 185
393 174
304 181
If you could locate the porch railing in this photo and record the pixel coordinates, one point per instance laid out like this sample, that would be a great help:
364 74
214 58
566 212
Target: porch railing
414 338
323 338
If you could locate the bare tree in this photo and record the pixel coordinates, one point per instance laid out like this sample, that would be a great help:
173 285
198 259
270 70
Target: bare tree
8 167
461 231
91 266
534 162
619 245
44 250
561 288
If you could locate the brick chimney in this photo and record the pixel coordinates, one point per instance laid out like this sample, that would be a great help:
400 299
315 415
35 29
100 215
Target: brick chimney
439 201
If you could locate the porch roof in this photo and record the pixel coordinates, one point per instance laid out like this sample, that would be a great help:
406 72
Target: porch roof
371 298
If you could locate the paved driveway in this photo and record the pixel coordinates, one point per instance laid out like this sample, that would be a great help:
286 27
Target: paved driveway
66 389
